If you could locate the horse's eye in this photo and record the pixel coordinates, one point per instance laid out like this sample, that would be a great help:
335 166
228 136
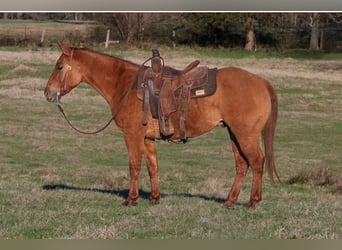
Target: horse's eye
59 67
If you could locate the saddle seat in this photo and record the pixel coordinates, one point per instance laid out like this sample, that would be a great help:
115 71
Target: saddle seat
171 90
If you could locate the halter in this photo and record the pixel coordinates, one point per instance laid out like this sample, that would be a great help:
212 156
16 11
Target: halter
59 105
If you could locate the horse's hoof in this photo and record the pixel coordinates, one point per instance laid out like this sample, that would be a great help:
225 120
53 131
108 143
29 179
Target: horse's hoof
228 203
251 204
154 201
129 203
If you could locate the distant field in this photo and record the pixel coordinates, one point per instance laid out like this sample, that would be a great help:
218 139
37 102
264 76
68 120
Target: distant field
19 27
55 183
32 30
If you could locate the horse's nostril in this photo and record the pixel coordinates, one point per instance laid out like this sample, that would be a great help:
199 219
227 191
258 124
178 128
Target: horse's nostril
46 94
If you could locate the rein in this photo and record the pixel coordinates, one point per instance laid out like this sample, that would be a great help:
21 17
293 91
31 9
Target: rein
59 105
81 131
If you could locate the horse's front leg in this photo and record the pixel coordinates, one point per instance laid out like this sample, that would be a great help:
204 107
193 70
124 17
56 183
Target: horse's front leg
135 147
150 154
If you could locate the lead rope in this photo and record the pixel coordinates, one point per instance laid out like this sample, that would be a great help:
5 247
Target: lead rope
81 131
107 124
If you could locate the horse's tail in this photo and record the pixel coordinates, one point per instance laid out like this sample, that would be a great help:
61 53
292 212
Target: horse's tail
268 134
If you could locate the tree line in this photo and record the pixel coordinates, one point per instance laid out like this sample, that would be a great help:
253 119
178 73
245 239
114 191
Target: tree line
247 30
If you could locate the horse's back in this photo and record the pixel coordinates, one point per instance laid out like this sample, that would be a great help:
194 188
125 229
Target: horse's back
240 79
244 97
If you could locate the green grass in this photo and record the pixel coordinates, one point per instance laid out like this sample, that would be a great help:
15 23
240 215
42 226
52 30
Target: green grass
55 183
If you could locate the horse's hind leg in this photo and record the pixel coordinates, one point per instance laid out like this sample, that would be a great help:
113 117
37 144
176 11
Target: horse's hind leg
150 154
241 167
247 152
255 158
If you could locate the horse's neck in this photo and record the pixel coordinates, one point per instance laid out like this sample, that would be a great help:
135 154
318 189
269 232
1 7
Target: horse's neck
109 76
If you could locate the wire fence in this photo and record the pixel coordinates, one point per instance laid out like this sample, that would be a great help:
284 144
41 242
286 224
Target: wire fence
41 34
47 35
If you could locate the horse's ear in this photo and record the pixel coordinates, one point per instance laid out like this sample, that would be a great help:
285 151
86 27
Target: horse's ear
65 49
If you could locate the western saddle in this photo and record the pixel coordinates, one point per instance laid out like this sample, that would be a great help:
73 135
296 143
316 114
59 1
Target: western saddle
166 90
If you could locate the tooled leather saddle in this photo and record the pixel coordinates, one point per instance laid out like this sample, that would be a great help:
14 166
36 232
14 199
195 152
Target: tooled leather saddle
166 90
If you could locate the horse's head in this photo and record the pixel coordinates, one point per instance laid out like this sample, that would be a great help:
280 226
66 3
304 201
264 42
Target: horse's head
65 76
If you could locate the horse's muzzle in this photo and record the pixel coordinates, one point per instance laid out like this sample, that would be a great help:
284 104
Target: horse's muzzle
51 97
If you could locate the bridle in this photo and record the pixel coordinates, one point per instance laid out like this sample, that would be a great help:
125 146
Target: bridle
63 88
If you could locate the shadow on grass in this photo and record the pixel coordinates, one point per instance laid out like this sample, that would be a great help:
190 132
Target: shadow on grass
124 192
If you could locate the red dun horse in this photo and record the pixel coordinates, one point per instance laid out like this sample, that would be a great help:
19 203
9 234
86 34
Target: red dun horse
245 103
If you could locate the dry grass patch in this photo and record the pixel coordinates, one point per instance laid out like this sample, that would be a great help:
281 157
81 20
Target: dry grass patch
24 57
114 180
36 199
321 177
97 232
25 87
22 69
269 68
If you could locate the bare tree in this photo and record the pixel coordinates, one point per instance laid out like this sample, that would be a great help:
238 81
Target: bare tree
314 22
317 21
250 36
336 18
129 26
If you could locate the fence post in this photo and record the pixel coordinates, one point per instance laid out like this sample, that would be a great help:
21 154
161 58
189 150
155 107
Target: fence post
107 38
42 36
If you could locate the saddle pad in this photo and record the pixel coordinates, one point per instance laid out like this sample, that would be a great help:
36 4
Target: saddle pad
201 81
207 88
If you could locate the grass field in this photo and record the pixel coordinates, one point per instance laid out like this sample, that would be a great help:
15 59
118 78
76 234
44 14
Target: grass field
55 183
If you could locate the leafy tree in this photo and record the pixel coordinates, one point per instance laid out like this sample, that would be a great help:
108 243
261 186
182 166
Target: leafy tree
209 29
219 29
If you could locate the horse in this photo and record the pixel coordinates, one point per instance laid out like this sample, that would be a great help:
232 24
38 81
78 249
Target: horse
244 103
